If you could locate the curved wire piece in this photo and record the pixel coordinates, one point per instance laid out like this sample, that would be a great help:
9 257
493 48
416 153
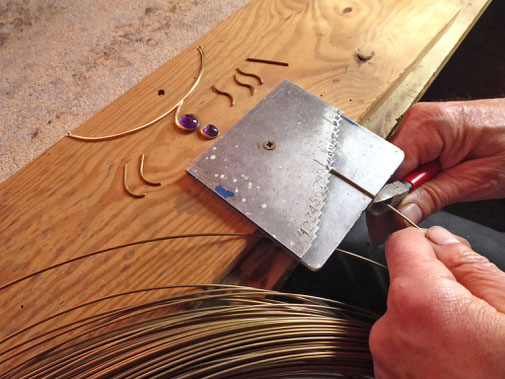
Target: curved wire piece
129 244
144 126
251 88
159 239
141 172
228 95
177 118
125 184
257 77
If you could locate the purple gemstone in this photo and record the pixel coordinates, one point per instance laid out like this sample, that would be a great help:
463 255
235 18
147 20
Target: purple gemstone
211 131
189 121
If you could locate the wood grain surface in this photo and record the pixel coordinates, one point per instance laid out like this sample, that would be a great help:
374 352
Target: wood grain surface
70 201
382 120
426 70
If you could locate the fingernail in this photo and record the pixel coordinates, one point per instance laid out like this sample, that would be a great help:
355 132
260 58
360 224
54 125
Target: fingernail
441 236
412 211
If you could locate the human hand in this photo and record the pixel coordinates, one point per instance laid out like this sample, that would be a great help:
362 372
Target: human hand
468 138
446 310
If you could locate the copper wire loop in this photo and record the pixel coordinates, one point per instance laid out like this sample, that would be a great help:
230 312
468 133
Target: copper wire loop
125 184
251 88
141 172
144 126
227 94
257 77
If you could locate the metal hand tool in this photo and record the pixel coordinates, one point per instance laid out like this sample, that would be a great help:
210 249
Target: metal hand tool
380 219
299 170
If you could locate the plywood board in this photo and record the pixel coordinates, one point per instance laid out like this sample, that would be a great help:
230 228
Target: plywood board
265 265
70 201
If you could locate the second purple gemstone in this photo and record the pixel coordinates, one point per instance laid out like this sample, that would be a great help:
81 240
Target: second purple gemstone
210 131
189 121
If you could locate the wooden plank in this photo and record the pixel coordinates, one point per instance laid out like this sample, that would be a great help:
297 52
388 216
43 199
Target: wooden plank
70 200
410 90
382 121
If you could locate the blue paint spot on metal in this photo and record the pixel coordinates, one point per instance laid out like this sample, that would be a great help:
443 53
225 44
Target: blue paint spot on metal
224 192
350 121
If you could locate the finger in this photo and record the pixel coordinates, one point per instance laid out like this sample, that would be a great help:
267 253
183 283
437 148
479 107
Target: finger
422 134
468 181
420 284
481 277
410 255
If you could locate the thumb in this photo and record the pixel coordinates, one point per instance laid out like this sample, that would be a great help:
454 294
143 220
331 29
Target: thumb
475 272
468 181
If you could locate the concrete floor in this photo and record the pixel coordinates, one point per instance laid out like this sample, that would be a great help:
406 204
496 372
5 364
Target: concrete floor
61 61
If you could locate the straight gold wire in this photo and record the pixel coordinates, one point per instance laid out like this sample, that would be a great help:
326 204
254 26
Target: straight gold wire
227 94
106 250
257 77
403 216
361 257
251 88
146 125
141 172
371 195
352 183
267 61
125 184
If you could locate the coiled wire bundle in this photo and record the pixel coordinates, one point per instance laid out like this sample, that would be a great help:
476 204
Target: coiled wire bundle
209 331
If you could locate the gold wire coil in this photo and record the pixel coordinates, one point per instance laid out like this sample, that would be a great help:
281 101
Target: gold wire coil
240 332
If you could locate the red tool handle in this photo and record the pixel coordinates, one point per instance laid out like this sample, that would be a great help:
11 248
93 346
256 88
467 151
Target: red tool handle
423 173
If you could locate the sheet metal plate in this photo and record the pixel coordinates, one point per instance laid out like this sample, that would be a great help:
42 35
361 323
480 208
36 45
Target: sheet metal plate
288 191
